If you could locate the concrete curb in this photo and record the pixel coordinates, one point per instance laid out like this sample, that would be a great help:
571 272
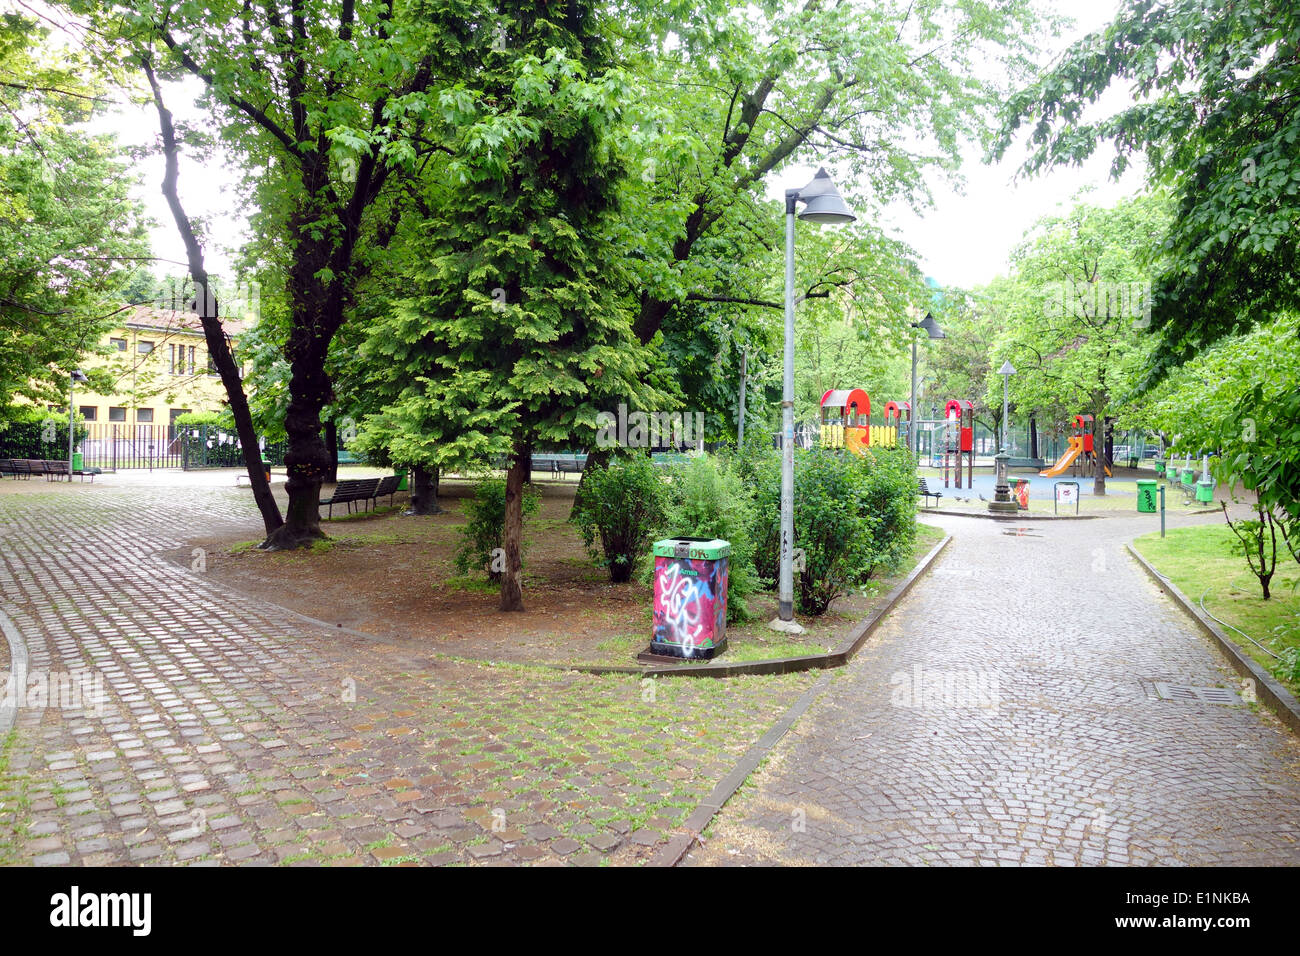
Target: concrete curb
1018 516
1267 688
679 845
782 665
16 679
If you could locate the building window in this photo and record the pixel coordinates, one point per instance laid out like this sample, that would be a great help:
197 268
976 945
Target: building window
144 416
193 367
171 353
119 344
177 413
116 413
88 412
144 348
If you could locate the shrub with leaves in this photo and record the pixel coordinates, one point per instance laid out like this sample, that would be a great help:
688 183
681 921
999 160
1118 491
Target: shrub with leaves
709 498
484 533
852 517
622 504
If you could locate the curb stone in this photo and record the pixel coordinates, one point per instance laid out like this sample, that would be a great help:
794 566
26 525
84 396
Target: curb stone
17 676
1269 690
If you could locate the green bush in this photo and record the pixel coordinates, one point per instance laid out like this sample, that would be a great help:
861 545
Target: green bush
485 530
853 517
623 504
709 498
29 432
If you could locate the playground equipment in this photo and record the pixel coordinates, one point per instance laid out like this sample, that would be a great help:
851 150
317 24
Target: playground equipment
900 414
1079 451
846 422
959 440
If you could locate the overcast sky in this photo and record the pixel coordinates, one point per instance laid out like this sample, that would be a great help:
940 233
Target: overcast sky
964 240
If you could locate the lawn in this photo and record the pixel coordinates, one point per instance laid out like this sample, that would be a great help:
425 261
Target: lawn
1201 563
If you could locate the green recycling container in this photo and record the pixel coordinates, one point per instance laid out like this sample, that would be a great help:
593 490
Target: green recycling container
78 461
1160 468
690 597
400 473
1189 477
1205 491
1147 495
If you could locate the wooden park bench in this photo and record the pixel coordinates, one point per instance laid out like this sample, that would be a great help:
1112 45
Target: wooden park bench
387 486
18 467
923 491
570 465
350 490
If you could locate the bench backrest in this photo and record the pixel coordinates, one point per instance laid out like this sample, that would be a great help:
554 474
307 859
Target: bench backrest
387 485
54 467
355 489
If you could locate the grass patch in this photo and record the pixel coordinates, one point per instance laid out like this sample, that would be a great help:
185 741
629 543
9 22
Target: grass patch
471 582
1201 563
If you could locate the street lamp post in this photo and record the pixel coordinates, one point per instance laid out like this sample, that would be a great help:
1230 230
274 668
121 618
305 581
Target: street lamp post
75 376
1002 502
822 203
933 331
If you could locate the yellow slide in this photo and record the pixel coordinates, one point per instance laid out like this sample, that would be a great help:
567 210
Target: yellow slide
1072 451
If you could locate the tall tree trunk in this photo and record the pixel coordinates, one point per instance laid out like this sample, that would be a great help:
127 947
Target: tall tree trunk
512 582
1099 451
1033 437
332 446
424 491
214 334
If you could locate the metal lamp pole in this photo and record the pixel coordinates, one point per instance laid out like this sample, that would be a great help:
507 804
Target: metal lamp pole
822 204
75 376
933 331
1002 491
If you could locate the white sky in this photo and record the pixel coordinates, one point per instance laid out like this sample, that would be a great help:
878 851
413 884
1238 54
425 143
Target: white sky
964 240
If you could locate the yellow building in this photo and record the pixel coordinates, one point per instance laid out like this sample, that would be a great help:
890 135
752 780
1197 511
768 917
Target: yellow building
158 359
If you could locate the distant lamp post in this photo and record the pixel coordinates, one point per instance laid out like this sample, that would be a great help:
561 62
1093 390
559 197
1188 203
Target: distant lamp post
75 376
1002 502
822 203
932 329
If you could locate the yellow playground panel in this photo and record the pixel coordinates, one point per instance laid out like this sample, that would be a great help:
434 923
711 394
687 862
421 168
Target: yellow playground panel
846 422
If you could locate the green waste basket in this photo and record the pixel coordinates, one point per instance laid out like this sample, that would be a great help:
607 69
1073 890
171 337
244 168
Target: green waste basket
1205 491
1189 477
1160 468
400 473
78 461
1147 495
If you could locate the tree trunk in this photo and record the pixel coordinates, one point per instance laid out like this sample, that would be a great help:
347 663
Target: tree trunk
332 445
214 334
1099 452
1033 437
424 491
512 581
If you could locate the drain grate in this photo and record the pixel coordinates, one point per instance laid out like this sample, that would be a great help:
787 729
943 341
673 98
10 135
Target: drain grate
1196 695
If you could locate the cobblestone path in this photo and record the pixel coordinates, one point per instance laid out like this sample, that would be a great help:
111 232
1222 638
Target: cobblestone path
237 733
1005 714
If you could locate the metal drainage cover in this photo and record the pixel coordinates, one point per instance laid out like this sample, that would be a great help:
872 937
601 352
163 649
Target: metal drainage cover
1196 695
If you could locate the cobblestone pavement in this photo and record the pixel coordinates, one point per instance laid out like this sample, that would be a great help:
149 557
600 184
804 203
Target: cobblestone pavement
230 733
1078 761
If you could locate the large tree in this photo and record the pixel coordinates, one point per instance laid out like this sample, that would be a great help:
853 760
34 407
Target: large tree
327 104
1074 317
71 235
1215 113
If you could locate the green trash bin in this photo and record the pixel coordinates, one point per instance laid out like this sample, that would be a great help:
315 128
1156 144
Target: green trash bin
1160 468
690 597
1205 491
78 461
1188 476
400 473
1147 495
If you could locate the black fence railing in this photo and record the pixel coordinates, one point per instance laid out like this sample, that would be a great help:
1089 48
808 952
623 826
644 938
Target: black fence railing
113 445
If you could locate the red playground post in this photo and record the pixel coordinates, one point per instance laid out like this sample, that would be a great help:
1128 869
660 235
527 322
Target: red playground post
959 440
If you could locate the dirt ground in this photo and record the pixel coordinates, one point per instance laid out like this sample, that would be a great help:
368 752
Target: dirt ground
391 575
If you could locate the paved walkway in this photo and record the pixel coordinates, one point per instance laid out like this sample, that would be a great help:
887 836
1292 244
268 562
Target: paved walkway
1005 714
232 732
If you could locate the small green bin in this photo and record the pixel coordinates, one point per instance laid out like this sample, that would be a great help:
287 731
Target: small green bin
1160 468
1188 477
78 461
400 473
1205 491
1147 495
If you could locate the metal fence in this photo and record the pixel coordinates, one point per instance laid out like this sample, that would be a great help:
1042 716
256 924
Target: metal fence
113 445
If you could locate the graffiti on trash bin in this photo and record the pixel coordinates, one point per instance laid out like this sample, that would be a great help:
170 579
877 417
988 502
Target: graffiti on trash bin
690 602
